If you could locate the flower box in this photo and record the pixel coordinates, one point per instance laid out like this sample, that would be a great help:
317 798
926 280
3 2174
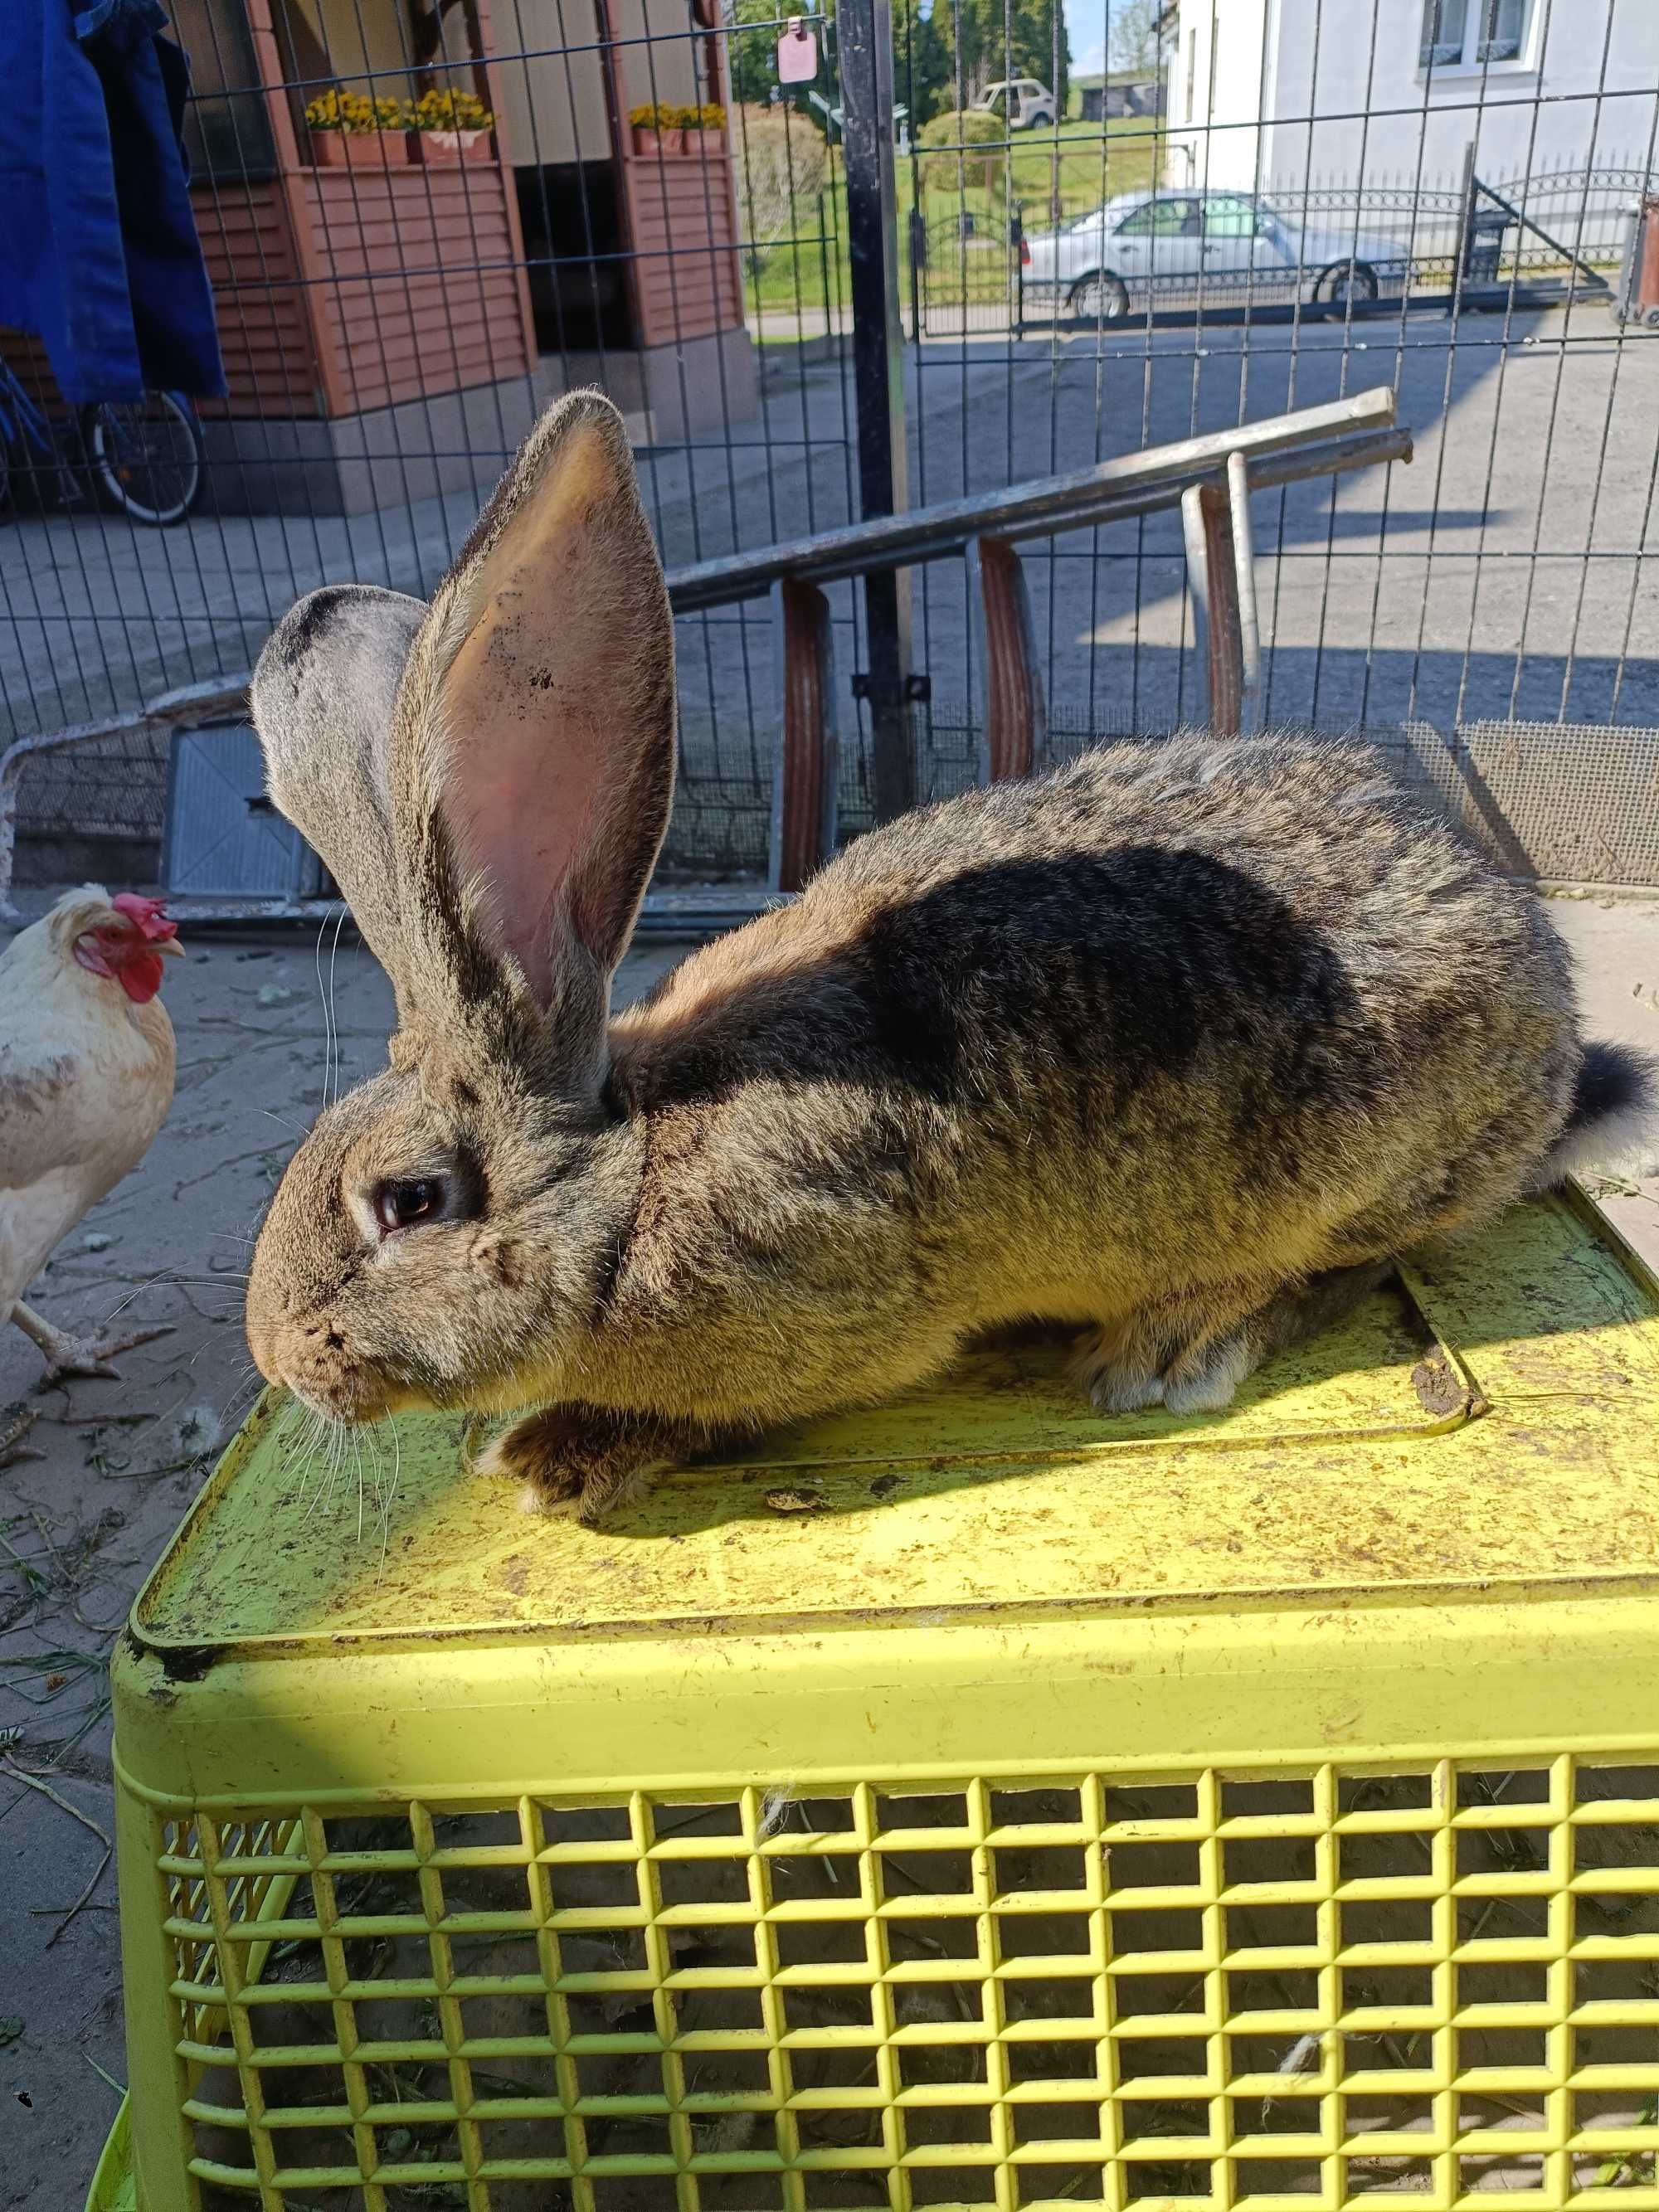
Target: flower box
442 146
653 143
359 149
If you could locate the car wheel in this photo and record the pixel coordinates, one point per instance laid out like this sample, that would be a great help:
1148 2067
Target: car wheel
1099 297
1348 282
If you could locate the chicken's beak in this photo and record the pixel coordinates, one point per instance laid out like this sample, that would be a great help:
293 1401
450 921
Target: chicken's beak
165 944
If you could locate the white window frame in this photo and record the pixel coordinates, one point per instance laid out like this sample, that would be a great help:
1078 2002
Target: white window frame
1469 62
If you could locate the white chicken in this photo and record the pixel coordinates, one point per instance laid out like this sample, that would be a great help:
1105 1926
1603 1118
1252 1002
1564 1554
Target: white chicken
86 1079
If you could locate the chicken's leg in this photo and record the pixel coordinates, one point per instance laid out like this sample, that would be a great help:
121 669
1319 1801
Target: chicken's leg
12 1448
68 1355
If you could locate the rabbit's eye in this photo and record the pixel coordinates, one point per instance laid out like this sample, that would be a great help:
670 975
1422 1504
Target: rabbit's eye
400 1205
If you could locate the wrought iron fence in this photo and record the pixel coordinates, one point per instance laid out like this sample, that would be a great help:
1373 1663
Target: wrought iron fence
815 306
1287 243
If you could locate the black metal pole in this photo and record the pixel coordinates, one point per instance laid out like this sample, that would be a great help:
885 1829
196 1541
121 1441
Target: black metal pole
864 45
1464 233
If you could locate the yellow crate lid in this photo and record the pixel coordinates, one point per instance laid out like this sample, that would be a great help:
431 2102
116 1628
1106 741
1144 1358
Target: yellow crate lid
1490 1424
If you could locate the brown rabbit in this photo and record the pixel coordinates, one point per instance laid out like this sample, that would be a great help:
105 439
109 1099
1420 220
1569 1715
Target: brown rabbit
1178 1044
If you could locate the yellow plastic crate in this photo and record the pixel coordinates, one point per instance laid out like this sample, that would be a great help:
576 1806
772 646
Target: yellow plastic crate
973 1803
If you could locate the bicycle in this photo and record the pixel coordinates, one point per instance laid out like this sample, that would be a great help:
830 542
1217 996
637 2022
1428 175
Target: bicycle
144 458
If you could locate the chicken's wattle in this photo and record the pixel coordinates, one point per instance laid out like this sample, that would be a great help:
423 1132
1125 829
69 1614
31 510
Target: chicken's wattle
140 976
126 954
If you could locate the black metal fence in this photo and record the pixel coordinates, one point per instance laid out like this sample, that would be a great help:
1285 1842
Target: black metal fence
811 302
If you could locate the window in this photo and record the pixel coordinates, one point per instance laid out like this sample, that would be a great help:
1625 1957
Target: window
1226 215
1471 33
1503 30
1166 216
226 131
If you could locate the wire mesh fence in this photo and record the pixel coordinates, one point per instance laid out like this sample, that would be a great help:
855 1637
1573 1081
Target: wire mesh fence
1117 223
1435 196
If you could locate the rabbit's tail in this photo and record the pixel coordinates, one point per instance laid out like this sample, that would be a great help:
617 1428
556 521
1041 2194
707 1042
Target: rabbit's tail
1614 1121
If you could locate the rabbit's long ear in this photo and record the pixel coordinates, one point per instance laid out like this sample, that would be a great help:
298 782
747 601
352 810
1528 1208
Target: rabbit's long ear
533 763
323 697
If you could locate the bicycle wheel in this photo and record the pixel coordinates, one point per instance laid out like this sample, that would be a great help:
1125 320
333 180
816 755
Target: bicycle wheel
144 456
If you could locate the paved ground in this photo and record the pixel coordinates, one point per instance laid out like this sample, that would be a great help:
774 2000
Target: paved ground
79 1527
1524 517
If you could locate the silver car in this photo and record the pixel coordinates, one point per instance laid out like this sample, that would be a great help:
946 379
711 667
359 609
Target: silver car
1163 246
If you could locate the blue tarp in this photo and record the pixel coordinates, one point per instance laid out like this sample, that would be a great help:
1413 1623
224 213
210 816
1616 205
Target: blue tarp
98 255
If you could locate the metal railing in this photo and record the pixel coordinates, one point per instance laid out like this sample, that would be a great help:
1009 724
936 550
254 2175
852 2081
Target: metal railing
1208 477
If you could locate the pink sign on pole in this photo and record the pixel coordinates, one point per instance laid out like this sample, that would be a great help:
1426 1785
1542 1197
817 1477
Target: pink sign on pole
797 54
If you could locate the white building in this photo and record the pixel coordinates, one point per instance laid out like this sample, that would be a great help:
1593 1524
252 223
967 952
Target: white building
1282 94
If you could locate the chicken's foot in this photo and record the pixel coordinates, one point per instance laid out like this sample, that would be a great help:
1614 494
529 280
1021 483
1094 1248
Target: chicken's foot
13 1430
68 1355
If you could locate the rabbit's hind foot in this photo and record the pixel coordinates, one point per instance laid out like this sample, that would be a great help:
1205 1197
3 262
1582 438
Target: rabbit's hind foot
1202 1380
582 1459
1117 1368
1205 1377
1183 1359
1192 1360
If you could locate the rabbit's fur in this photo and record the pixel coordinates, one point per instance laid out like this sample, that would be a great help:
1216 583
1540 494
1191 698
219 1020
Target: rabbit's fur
1177 1045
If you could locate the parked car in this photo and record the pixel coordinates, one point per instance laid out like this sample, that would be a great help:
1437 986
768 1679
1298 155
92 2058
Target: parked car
1147 246
1019 101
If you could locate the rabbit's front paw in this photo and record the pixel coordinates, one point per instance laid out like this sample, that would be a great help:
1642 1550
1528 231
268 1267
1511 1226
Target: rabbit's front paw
582 1458
534 1453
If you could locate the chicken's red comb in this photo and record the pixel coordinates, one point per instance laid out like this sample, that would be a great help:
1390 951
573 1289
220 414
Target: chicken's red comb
147 913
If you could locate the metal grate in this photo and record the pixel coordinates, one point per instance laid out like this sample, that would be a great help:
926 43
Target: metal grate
383 371
1303 1987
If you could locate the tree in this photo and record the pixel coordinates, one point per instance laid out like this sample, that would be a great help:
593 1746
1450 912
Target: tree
985 40
782 167
957 167
921 67
1132 35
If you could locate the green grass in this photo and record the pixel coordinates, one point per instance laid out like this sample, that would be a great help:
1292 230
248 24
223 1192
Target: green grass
1055 173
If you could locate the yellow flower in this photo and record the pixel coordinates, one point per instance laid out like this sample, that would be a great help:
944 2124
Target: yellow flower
449 110
356 112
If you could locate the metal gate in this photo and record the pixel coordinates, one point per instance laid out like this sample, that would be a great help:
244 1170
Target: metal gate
971 246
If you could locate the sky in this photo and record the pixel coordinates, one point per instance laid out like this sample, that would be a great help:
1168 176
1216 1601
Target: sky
1084 30
1085 27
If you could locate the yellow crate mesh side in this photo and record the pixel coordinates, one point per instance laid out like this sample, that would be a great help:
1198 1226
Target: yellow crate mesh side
1297 1990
